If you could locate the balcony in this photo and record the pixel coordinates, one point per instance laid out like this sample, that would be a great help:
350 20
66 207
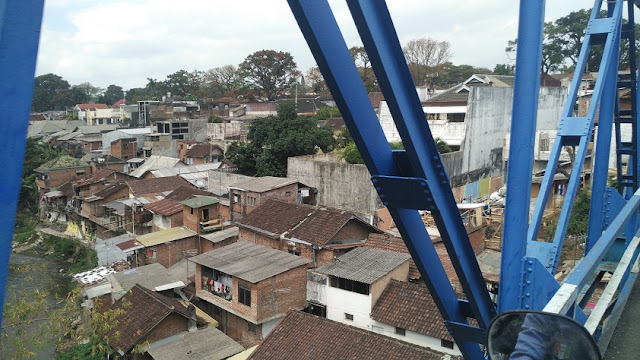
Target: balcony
215 288
211 225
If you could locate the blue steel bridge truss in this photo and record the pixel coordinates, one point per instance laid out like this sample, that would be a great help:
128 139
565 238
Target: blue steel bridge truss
415 178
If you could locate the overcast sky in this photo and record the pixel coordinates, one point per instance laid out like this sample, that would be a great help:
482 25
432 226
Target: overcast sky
124 42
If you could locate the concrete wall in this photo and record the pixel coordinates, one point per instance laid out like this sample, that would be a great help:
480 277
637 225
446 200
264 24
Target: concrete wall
111 136
488 122
340 185
220 180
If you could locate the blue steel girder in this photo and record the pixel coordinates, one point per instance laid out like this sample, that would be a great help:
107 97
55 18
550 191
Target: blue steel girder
574 130
523 127
19 33
424 177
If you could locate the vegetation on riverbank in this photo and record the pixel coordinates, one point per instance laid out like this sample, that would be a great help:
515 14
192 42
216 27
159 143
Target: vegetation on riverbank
80 256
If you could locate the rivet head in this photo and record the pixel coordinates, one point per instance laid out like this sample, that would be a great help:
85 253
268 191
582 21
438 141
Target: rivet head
526 306
528 282
527 294
529 269
530 262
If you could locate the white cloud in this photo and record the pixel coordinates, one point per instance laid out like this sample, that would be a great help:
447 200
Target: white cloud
125 42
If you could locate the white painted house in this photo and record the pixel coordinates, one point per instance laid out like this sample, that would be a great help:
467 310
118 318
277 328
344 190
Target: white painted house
349 289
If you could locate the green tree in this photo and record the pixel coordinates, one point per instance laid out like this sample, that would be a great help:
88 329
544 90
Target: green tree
270 72
504 69
46 93
37 152
327 113
113 94
450 74
89 92
274 139
182 82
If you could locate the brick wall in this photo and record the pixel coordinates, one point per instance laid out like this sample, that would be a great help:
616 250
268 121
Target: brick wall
171 325
60 176
241 207
191 217
354 229
477 238
281 293
170 253
206 245
176 219
124 149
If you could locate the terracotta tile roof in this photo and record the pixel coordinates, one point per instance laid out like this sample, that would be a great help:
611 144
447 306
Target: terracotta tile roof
411 307
118 103
301 336
199 150
165 207
392 243
143 311
186 192
110 189
275 217
98 176
321 226
314 225
92 106
157 185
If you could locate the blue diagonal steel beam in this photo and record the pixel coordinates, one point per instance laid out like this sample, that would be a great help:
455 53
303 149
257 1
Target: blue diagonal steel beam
325 40
19 33
520 166
379 37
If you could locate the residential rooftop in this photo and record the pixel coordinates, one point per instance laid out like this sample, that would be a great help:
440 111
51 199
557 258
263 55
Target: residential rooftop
62 162
200 201
203 344
314 225
250 262
154 277
302 336
159 185
164 236
143 311
364 264
410 306
263 184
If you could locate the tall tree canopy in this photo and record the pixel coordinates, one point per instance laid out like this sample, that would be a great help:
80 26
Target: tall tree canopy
51 92
273 139
223 81
563 40
361 59
113 94
425 57
270 72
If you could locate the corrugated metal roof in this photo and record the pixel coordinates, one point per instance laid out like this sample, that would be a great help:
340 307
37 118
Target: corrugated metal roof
185 170
207 344
250 262
264 183
200 201
163 236
218 236
155 162
364 264
164 207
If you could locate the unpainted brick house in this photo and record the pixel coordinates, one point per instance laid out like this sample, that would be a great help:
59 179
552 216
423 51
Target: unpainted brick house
317 233
246 196
248 288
